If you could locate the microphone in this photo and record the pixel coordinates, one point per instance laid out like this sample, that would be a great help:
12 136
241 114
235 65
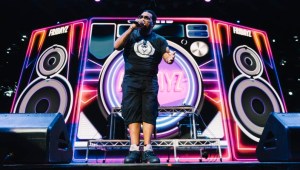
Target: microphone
136 23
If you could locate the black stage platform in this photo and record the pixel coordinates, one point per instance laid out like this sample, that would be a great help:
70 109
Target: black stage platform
163 166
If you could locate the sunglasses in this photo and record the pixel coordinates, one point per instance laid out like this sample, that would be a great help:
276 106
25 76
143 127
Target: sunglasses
145 17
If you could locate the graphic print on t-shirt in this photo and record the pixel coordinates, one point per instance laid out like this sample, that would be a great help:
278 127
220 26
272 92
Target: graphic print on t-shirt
144 49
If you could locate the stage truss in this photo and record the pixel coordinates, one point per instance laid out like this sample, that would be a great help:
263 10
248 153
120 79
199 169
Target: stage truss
106 145
162 110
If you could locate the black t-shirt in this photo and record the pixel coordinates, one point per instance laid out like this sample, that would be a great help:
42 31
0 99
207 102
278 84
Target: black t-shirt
142 54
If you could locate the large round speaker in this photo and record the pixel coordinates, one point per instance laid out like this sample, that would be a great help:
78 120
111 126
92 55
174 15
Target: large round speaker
247 61
251 101
46 96
52 61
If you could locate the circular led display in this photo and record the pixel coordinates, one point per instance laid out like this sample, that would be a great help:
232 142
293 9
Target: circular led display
182 80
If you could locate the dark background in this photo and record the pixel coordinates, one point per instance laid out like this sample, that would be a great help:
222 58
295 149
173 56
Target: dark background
279 18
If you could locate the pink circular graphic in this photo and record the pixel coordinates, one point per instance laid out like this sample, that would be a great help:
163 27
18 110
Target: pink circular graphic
179 84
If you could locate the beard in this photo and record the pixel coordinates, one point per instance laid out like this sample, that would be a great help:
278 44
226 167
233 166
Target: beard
145 30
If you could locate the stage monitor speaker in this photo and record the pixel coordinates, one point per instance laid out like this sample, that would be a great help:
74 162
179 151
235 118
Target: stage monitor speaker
34 138
280 138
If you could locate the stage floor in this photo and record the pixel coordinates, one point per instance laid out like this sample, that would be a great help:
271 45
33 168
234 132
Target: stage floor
162 166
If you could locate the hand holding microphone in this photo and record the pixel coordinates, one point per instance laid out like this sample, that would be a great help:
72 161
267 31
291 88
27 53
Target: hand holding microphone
138 23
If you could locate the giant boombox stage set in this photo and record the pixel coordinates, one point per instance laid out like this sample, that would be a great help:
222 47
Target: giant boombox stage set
222 86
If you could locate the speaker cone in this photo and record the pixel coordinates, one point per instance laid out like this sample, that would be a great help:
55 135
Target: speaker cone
251 101
247 61
46 96
52 61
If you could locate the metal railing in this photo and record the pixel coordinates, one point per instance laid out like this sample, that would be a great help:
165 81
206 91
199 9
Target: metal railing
174 144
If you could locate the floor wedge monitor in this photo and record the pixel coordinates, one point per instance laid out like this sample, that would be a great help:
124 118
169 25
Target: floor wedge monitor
34 138
280 138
